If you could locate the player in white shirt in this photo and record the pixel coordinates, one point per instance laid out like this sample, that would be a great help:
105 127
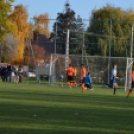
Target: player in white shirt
113 78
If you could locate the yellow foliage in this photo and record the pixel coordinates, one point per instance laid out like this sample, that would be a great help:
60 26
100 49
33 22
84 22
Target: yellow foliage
19 19
42 24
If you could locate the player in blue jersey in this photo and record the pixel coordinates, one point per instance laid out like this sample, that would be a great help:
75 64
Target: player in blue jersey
114 78
88 82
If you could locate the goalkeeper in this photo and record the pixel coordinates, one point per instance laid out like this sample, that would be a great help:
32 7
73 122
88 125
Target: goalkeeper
132 85
88 82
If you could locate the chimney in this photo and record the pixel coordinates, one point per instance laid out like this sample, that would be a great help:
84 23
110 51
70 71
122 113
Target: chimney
35 35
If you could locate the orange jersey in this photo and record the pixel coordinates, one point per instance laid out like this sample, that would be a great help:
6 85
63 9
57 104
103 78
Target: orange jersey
70 71
83 72
133 75
75 72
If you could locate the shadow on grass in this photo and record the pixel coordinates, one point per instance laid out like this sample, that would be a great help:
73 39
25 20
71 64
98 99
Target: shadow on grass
64 114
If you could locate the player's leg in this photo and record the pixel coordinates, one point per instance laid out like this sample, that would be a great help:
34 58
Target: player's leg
111 84
74 80
91 87
88 87
130 91
71 81
75 85
83 87
68 81
115 85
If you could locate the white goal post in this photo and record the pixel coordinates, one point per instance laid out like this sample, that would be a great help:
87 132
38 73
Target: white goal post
97 65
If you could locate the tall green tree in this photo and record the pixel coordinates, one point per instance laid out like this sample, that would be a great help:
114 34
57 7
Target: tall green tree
120 31
5 24
65 20
76 37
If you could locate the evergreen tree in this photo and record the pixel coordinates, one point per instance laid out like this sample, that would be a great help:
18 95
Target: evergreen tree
65 20
76 38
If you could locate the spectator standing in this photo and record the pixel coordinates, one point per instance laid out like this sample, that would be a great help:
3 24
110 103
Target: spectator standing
2 73
9 71
20 74
6 74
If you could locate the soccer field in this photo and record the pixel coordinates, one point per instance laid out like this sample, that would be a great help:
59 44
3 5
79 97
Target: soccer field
41 109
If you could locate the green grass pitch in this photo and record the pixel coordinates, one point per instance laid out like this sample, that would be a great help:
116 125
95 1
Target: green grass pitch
43 109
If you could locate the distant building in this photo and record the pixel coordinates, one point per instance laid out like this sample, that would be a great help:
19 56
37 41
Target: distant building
42 41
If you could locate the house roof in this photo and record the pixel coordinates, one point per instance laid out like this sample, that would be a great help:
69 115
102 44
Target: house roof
46 44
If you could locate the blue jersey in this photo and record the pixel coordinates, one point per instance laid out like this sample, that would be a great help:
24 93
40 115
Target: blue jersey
88 80
114 71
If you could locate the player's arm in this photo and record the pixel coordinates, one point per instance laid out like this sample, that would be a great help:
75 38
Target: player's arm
91 81
115 76
85 73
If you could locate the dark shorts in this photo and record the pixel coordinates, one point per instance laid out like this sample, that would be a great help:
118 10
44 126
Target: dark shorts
74 78
70 78
83 80
132 84
112 82
88 86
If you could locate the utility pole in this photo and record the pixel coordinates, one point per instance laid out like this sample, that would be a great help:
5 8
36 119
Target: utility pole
83 46
55 40
67 50
131 41
109 61
131 55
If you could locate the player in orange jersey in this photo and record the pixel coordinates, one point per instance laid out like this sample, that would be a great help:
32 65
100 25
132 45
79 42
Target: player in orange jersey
74 76
83 75
70 75
132 85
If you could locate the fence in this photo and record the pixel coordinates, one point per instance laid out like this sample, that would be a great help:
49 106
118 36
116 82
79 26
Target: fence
97 65
100 37
108 38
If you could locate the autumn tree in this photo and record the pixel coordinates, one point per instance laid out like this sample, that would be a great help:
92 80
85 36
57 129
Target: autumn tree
39 55
39 52
9 48
42 24
19 18
5 24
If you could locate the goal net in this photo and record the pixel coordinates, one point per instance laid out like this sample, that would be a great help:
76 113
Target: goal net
99 66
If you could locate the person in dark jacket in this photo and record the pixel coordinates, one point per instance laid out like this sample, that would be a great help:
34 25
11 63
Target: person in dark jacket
9 70
6 74
20 74
2 73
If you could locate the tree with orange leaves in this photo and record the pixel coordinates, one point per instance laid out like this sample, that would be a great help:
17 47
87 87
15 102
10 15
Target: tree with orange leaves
42 24
19 19
39 55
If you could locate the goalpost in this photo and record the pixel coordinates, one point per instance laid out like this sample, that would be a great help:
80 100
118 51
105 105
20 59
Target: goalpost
97 65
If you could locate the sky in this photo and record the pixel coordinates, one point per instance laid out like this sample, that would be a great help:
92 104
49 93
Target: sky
81 7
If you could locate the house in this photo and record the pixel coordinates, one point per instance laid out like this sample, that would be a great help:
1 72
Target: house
42 41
